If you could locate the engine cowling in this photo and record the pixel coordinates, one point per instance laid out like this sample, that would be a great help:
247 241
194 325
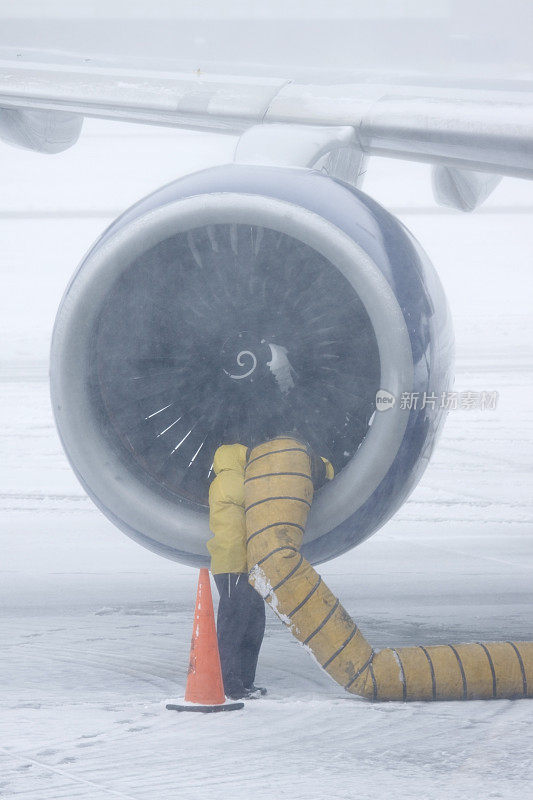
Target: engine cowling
237 304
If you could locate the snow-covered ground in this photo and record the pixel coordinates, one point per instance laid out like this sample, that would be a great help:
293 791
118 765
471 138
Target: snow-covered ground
95 631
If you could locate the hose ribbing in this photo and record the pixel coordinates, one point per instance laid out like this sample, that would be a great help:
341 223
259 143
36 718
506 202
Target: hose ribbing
278 495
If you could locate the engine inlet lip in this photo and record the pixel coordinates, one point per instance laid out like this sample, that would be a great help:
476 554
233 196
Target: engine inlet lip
153 519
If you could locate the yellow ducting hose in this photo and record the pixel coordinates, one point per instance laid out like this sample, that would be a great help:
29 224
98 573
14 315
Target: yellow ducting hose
278 495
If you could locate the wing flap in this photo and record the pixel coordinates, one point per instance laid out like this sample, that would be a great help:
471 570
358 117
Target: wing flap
210 102
478 130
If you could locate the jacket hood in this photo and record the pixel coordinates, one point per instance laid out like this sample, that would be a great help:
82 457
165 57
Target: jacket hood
230 456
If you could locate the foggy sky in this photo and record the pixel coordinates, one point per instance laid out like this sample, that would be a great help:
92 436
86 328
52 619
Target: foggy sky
477 38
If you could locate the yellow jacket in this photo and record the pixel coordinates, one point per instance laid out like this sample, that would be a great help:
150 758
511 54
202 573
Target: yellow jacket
226 510
227 521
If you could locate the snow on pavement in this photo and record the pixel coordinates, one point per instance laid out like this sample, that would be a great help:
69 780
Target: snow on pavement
95 631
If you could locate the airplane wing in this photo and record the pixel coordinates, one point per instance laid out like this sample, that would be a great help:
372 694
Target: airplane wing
42 104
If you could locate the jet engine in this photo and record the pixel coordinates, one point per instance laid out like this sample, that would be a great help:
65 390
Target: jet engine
238 304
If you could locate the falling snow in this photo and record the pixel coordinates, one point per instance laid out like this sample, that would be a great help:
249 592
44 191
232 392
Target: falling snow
95 631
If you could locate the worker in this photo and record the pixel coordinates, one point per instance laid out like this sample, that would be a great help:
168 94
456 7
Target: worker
241 610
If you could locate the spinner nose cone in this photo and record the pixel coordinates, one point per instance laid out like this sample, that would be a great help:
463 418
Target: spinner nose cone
244 357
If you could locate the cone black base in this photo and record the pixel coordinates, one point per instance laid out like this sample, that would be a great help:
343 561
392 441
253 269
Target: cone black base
206 709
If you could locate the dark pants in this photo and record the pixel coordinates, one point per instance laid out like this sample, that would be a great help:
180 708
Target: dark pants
240 630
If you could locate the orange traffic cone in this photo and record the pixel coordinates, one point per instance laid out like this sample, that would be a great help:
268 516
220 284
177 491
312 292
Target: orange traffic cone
205 689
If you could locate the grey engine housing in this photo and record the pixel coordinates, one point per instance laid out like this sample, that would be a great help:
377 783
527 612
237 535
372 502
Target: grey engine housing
200 283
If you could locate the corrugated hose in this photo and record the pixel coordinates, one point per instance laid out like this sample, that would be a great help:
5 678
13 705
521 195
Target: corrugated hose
278 496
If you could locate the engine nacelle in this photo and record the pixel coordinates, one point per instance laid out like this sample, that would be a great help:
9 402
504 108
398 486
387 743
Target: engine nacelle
236 304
